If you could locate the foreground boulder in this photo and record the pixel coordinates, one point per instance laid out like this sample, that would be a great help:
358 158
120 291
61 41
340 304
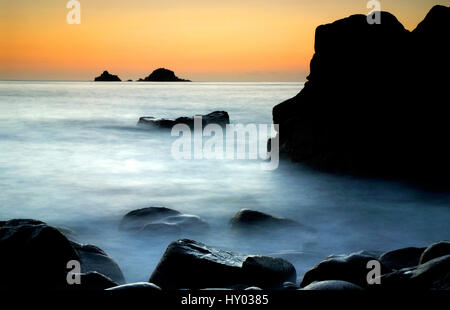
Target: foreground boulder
401 258
34 252
357 112
351 268
220 118
94 259
434 251
138 287
332 285
162 75
246 219
434 274
107 77
190 264
161 220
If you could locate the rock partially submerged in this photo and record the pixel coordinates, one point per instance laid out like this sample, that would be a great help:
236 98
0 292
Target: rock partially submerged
161 220
220 118
251 220
34 252
162 75
190 264
107 77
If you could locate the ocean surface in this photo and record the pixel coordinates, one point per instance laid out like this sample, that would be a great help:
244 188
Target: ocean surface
72 155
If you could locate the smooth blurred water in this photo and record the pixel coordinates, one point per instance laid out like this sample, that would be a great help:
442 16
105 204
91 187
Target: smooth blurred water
72 155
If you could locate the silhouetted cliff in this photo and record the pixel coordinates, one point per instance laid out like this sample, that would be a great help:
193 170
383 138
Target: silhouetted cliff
375 99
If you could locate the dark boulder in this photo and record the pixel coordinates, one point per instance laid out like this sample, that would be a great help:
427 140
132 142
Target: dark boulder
220 118
351 268
193 265
332 285
434 251
94 259
357 112
138 287
34 252
136 219
161 220
256 221
106 77
402 258
94 281
434 274
162 75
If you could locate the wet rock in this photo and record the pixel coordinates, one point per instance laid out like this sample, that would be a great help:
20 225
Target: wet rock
220 118
162 75
190 264
253 288
94 281
160 220
290 286
434 251
246 219
143 287
34 252
28 246
106 77
94 259
434 274
137 219
351 268
332 285
402 258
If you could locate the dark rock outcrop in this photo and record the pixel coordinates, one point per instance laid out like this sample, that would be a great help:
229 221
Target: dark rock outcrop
246 219
434 251
162 75
161 220
220 118
190 264
106 77
434 274
402 258
351 268
34 252
374 101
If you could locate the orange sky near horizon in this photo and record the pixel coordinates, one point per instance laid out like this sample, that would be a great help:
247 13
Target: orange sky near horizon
203 40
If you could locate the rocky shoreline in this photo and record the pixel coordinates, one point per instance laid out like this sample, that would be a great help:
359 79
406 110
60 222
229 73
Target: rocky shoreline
374 101
29 245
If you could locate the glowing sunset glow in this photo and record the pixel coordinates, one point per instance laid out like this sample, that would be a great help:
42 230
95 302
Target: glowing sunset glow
203 40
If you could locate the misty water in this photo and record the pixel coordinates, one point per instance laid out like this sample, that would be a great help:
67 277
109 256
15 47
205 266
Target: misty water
72 155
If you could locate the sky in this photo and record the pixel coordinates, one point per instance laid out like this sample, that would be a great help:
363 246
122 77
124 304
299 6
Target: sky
201 40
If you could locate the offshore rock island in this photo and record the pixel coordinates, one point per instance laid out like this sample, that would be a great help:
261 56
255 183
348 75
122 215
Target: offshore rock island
162 75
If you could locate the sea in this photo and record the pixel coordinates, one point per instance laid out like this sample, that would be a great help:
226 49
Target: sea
72 155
